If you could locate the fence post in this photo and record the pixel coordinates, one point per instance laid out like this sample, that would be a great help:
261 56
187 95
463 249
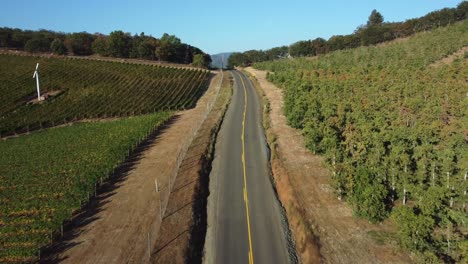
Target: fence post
160 209
149 249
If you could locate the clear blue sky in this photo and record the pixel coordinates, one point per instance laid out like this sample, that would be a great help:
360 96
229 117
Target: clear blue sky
213 26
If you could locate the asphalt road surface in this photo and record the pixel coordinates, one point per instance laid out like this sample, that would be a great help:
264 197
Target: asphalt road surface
246 222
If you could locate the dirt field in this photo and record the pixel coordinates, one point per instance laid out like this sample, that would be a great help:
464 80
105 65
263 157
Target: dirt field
182 232
122 223
324 228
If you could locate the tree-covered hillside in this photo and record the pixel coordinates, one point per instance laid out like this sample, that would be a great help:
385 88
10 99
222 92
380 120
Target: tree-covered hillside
393 130
117 44
375 31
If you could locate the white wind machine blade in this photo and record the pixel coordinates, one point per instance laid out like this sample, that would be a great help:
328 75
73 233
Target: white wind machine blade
36 75
35 71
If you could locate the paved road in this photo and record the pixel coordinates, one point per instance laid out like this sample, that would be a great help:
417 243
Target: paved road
246 224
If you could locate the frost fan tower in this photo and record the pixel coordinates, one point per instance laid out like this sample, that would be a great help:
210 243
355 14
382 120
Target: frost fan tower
36 75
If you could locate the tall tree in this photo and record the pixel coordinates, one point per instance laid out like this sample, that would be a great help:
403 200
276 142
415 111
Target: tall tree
301 48
57 47
169 45
165 51
147 48
375 18
199 61
80 43
101 46
319 46
119 44
37 44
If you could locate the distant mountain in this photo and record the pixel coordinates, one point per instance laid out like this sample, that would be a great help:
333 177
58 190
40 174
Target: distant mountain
220 60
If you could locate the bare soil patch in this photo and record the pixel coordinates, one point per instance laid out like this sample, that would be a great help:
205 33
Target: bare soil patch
124 224
319 220
450 58
44 96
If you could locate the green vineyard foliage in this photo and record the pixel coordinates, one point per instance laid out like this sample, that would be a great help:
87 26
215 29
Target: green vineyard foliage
47 176
392 126
89 89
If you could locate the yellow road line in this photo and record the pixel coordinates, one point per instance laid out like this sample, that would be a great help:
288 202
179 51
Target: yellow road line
246 199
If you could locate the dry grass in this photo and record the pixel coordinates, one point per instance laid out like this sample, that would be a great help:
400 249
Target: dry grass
180 240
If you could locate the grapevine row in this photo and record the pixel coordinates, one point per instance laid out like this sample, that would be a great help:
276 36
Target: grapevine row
90 89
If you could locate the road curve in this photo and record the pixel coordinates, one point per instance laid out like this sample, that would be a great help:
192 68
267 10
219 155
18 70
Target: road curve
245 220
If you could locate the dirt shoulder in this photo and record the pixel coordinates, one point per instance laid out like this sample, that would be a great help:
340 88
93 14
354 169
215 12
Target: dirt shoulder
182 234
125 221
324 228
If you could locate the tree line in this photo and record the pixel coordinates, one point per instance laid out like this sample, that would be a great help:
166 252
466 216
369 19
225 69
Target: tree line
373 32
117 44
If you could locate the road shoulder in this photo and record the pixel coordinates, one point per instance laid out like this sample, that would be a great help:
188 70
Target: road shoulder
183 229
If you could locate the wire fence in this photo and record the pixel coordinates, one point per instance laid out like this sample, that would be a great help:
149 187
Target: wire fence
164 193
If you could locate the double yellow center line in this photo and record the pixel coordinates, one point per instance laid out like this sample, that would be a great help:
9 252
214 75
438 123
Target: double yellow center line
246 197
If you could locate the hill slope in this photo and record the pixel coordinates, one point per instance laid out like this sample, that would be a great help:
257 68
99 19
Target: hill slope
392 129
46 177
220 60
90 89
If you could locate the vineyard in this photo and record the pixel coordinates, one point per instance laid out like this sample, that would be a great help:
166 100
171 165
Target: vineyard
392 128
46 176
88 89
